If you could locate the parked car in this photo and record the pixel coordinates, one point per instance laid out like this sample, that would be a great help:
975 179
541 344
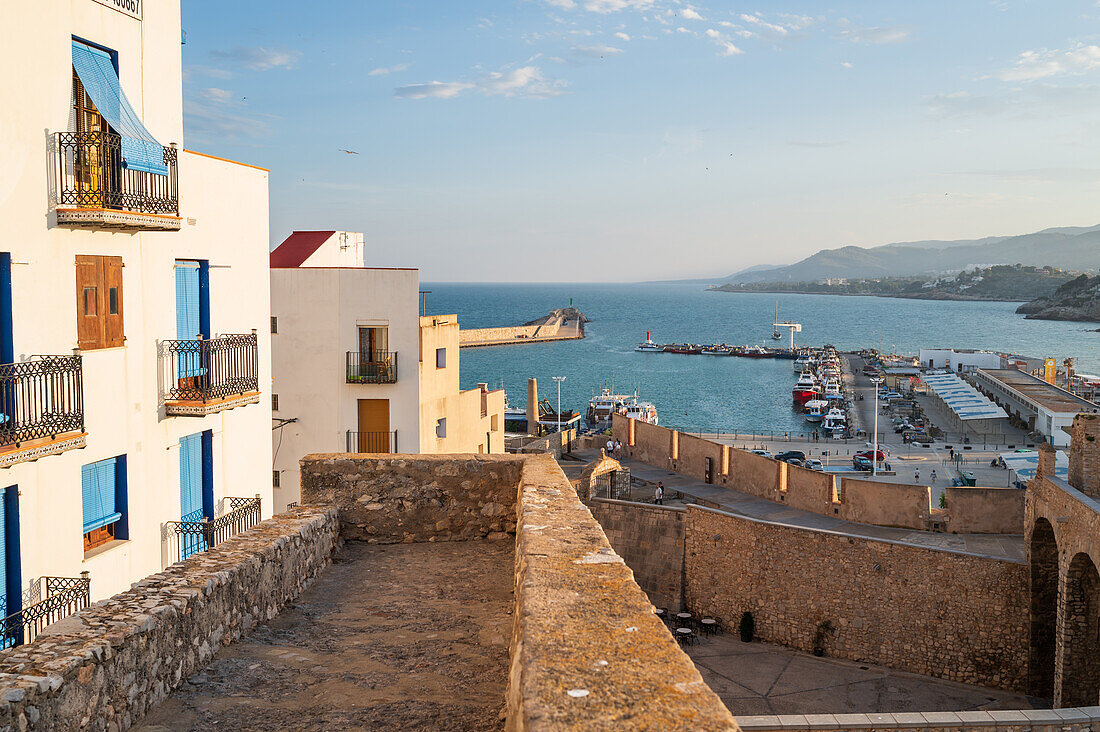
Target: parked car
859 462
765 453
815 465
791 455
904 427
795 462
880 455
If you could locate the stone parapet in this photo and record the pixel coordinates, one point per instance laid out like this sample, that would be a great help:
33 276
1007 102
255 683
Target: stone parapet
588 653
410 498
1081 719
103 668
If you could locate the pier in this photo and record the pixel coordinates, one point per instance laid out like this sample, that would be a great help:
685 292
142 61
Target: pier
561 324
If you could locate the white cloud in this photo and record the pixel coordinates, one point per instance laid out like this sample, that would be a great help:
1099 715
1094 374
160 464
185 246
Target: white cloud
728 49
596 51
1032 65
215 114
847 64
622 36
218 96
561 4
257 58
690 13
383 70
877 35
526 81
602 6
682 29
723 42
432 90
757 20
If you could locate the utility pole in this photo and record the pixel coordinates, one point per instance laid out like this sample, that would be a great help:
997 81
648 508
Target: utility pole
874 451
559 379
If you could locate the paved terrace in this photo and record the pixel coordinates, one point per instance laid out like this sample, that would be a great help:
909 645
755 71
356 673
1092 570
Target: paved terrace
396 637
999 546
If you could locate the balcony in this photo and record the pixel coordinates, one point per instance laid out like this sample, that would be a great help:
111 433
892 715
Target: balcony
95 190
201 377
187 538
379 367
372 442
41 408
61 597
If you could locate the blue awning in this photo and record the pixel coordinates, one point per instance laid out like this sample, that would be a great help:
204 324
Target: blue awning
140 150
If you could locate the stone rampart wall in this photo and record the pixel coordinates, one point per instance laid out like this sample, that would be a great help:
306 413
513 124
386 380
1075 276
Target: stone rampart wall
651 541
105 667
853 499
985 510
555 443
588 653
479 335
1014 720
410 498
956 616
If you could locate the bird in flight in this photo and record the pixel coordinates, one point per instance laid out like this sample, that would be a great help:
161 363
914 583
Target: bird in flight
349 152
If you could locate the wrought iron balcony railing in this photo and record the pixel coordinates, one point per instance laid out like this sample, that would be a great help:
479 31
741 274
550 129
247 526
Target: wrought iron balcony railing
187 538
63 597
381 442
377 367
41 399
91 174
209 370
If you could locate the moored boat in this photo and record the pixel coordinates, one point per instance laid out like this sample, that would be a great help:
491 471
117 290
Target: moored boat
648 346
814 410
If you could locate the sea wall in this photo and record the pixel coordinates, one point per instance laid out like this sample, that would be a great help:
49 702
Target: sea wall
956 616
105 667
410 498
651 541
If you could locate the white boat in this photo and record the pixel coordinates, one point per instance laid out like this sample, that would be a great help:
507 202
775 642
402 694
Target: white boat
641 411
835 420
832 390
648 346
717 351
815 410
803 363
600 408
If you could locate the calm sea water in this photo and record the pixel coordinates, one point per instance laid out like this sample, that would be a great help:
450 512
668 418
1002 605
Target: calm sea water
711 393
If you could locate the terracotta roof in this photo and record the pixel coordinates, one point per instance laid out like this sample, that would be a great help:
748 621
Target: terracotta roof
298 247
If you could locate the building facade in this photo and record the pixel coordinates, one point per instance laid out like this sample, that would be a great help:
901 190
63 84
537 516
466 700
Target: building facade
356 369
133 307
1033 403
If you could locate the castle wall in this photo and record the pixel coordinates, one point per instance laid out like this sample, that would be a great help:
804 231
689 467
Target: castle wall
651 541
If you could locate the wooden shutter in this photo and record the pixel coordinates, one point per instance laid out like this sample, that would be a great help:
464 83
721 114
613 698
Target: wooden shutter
114 332
89 303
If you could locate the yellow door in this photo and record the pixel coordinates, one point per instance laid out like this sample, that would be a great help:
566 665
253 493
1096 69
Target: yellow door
374 425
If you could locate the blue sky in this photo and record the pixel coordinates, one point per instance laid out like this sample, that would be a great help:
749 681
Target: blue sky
570 140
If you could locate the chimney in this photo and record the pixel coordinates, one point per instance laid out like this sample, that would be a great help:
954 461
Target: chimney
532 406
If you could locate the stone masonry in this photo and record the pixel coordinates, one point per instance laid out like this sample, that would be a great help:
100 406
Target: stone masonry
416 497
651 540
951 615
105 667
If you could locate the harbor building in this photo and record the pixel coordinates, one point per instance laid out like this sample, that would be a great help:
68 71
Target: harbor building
1042 407
133 312
960 360
357 369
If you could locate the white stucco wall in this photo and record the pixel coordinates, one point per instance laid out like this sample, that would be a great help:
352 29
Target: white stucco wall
121 401
319 311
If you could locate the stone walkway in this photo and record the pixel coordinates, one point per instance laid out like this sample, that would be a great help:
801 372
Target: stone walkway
757 678
998 546
398 637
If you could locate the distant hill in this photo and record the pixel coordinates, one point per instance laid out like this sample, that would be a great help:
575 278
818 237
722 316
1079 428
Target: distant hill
1078 299
1068 247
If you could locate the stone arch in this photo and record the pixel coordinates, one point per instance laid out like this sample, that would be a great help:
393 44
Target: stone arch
1043 551
1081 630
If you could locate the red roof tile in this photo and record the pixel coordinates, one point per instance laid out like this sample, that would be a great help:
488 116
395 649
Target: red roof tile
297 248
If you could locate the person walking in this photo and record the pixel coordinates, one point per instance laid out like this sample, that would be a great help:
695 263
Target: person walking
933 475
618 450
916 475
659 494
610 447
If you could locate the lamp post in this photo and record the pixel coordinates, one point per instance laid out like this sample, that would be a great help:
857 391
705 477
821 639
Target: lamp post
559 379
874 450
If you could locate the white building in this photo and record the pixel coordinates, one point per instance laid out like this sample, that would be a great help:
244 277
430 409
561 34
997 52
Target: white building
959 360
1033 403
356 369
119 248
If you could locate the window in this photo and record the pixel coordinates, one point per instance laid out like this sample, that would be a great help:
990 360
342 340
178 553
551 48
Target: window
274 324
103 485
275 478
441 358
494 422
374 344
274 402
99 311
441 427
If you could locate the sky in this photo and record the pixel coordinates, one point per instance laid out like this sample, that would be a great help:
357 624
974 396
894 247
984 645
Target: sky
622 140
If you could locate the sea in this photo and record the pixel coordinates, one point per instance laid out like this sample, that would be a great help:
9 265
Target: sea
711 394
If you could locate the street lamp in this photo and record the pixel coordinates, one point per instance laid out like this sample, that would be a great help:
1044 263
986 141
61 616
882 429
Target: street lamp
559 379
874 451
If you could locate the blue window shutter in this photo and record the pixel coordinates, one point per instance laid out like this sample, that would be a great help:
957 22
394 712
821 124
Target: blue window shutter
98 488
12 566
188 316
4 558
7 344
191 478
208 473
96 69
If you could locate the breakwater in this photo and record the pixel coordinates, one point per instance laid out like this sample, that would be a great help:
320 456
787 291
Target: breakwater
561 324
